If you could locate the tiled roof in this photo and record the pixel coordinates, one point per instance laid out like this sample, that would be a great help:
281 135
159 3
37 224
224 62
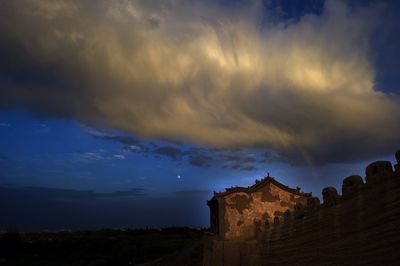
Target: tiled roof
260 184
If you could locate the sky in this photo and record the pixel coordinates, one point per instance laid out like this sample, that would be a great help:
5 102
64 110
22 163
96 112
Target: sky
128 113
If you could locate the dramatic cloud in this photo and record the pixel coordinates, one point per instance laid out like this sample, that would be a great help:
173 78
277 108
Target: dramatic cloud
121 139
238 161
200 160
200 157
170 152
198 72
90 157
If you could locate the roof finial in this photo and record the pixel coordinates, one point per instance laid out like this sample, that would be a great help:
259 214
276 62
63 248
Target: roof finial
268 174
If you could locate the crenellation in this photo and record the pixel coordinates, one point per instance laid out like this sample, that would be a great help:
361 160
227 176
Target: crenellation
313 204
378 171
245 212
352 185
280 221
330 196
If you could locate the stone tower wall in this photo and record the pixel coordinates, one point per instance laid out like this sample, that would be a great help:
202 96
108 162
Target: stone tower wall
246 214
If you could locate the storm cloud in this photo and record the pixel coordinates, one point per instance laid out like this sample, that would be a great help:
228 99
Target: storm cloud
225 78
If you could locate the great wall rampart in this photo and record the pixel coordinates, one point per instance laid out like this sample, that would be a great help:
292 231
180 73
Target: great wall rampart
359 227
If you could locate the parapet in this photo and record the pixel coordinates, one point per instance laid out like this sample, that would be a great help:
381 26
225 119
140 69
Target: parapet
330 196
352 185
313 203
378 171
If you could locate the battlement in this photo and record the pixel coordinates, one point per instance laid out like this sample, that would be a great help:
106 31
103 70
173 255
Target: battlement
377 174
357 226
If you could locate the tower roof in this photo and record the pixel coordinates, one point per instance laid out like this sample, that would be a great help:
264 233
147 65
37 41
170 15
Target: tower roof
260 184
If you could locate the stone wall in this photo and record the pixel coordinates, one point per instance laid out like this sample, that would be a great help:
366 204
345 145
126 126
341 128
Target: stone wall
247 214
360 227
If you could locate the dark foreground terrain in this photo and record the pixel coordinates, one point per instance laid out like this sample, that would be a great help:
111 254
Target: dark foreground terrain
103 247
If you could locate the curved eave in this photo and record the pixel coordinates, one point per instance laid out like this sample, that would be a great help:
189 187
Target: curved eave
258 185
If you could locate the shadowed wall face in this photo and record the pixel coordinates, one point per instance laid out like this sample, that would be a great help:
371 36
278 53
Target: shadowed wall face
397 166
378 170
352 185
214 215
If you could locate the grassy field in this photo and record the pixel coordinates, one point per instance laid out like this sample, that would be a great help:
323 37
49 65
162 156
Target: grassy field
102 247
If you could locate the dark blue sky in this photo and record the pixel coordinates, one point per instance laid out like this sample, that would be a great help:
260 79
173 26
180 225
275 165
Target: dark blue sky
131 115
53 169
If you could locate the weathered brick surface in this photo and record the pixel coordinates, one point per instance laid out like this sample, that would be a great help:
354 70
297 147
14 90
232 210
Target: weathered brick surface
244 213
248 213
